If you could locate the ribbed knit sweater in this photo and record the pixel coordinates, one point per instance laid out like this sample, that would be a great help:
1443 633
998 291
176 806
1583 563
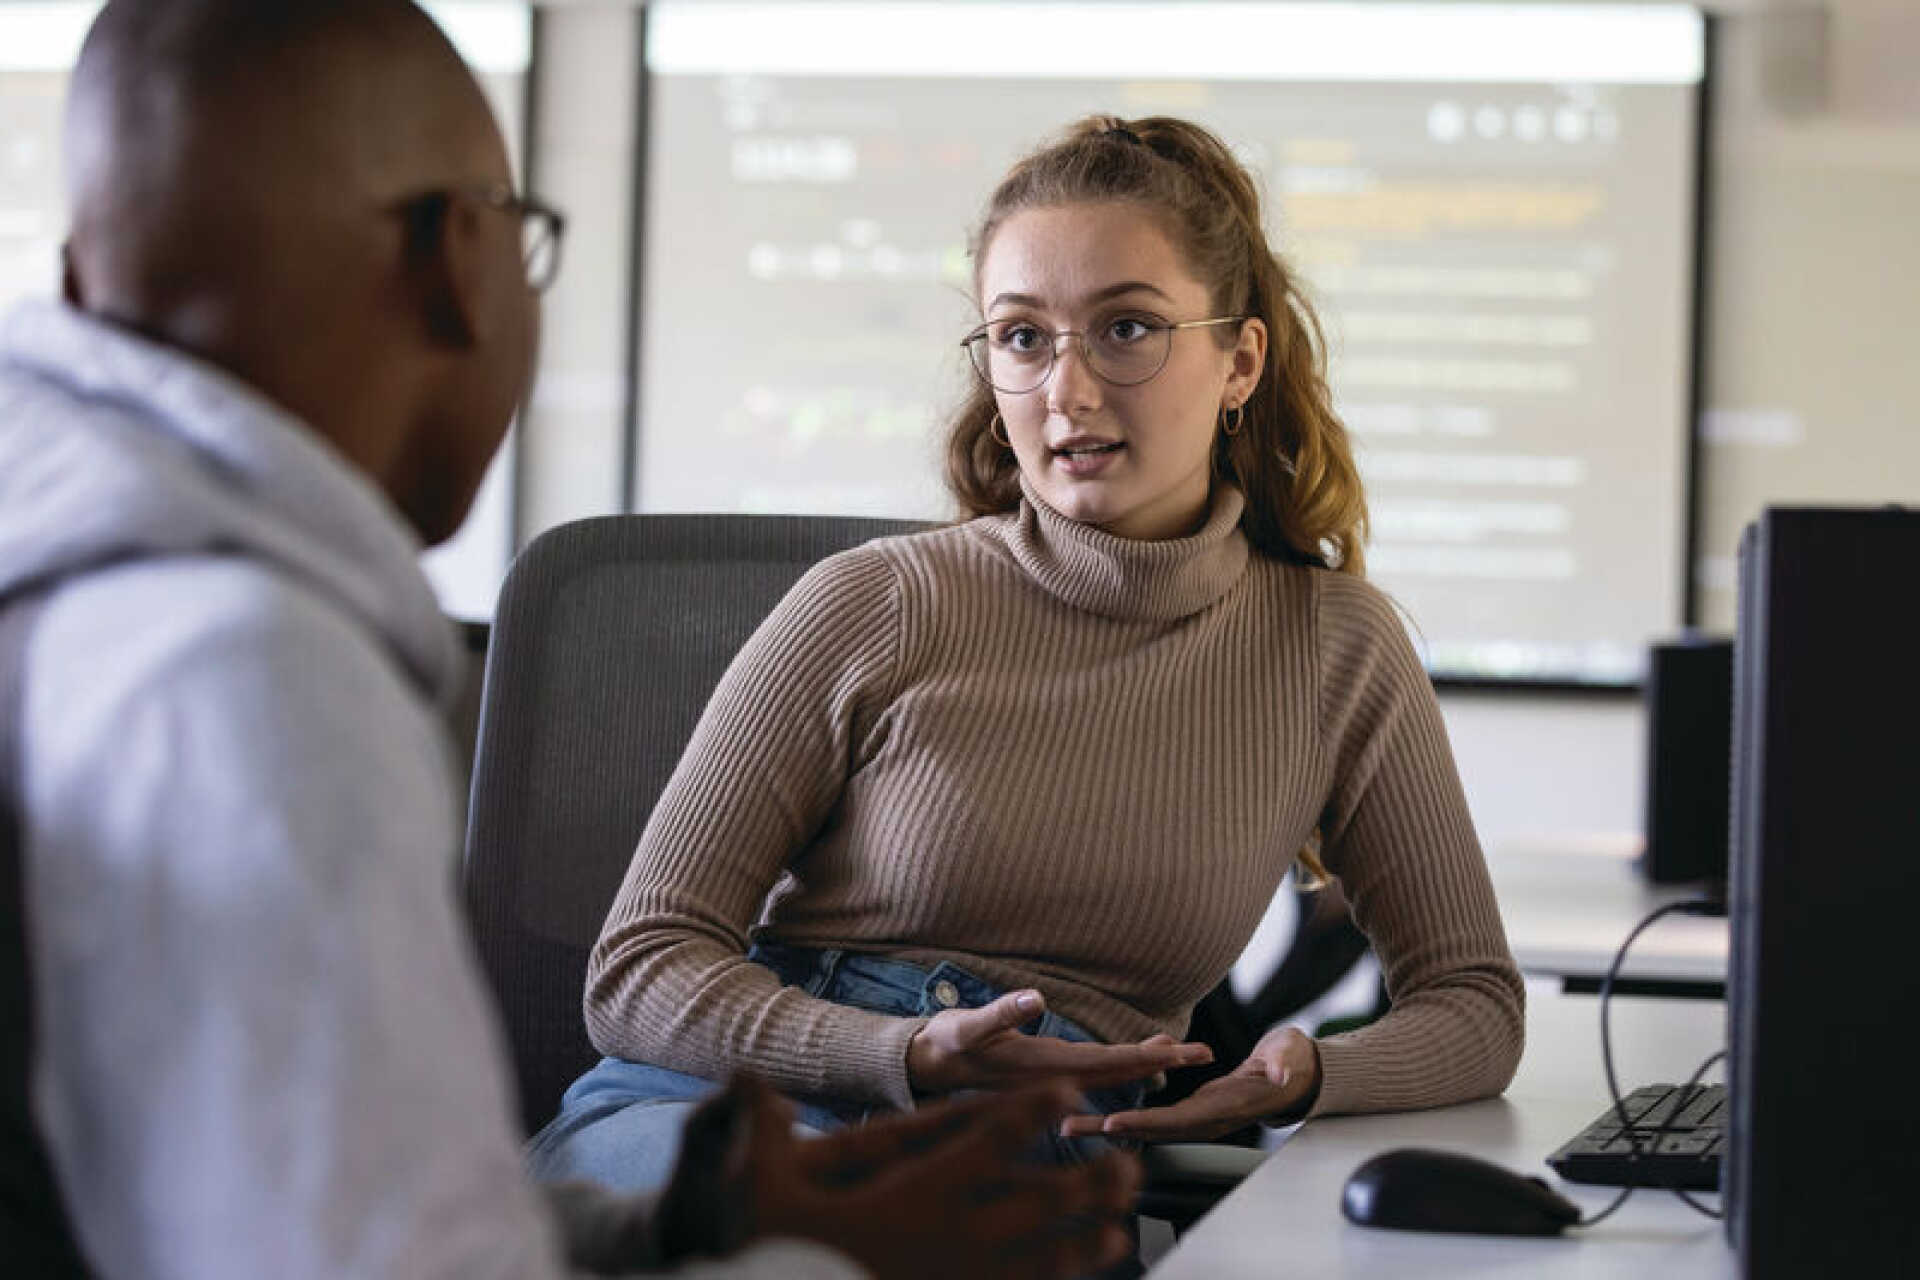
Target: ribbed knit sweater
1065 760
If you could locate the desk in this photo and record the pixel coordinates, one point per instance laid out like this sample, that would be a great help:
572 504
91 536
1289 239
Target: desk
1569 902
1285 1220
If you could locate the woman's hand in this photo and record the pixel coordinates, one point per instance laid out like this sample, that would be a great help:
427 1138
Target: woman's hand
983 1049
1280 1076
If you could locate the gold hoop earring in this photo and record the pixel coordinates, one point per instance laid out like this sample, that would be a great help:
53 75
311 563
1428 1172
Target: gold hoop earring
999 437
1231 426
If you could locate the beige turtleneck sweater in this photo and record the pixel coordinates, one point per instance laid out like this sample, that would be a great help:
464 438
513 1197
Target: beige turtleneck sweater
1065 760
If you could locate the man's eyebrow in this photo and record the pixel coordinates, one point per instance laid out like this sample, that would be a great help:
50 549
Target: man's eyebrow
1098 295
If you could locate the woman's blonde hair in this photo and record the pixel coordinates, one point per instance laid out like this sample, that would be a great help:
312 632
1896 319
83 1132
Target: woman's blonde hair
1290 456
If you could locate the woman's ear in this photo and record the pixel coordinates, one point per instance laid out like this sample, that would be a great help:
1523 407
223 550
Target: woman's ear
1249 360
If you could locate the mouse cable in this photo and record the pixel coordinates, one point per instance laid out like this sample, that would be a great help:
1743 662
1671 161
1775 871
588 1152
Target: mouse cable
1693 907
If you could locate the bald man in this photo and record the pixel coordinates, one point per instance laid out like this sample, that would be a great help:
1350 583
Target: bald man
298 320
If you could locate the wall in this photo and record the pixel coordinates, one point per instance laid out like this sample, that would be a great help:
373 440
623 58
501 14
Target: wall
1812 389
1812 386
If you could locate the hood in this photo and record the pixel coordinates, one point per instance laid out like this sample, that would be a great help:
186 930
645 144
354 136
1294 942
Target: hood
113 447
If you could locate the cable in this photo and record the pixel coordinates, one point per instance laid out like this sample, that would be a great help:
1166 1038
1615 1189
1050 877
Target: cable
1609 1211
1695 907
1667 1123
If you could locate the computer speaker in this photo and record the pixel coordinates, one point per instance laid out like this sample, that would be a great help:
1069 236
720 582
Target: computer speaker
1689 746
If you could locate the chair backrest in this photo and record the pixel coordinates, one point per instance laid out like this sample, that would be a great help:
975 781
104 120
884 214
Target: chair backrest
609 638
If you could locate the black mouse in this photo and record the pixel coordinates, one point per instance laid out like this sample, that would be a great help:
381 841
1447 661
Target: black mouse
1413 1189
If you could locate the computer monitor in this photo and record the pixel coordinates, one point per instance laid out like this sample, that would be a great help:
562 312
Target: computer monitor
1823 1158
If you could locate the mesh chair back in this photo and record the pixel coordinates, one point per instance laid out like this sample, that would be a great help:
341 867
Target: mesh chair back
609 638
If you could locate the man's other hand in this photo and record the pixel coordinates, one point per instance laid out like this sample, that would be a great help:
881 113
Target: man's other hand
953 1189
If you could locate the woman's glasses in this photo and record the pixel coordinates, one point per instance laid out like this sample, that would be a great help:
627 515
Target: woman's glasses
1017 356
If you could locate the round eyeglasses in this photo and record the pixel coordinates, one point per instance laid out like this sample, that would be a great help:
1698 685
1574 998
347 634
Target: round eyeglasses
1017 356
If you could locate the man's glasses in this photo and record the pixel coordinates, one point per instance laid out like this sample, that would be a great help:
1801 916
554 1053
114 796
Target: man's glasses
541 225
1016 356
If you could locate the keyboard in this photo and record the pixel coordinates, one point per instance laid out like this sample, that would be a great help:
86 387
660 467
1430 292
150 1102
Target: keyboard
1688 1151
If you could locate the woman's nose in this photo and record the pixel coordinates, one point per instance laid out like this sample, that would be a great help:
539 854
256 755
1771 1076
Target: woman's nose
1072 387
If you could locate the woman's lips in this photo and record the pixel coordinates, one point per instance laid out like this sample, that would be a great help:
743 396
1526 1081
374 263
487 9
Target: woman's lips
1086 457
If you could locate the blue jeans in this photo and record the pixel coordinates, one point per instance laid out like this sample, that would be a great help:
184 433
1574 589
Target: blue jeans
619 1124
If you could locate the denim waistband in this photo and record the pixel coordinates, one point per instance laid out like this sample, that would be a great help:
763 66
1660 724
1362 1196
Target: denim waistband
897 987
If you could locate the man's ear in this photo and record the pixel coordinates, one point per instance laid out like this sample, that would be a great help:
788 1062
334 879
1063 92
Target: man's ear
451 271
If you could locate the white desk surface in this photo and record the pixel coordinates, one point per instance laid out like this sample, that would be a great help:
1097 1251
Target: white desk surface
1285 1219
1568 903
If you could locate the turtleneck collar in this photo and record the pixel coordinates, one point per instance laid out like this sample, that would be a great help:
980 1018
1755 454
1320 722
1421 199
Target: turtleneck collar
1124 578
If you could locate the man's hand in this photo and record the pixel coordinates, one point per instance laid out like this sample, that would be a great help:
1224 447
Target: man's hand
949 1190
983 1049
1280 1076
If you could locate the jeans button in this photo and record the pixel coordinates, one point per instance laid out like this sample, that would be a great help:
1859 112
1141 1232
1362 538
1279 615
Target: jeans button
945 994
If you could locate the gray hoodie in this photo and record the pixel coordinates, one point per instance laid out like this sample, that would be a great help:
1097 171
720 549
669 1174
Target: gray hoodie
263 1045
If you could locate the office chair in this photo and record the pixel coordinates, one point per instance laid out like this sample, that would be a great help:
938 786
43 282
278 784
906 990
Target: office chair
609 638
1325 946
1185 1180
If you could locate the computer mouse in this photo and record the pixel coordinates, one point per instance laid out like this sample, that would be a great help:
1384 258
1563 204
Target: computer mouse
1415 1189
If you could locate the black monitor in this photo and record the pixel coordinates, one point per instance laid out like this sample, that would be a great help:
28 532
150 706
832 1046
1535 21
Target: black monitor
1823 1163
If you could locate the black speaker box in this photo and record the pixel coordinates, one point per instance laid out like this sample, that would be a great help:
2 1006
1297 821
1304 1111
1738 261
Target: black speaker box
1689 746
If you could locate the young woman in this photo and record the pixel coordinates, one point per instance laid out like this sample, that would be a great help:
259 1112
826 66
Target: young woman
1007 798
